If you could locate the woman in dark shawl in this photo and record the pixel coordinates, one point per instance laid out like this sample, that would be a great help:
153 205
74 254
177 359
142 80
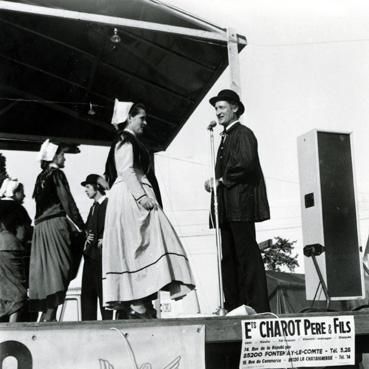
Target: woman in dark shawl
57 219
13 292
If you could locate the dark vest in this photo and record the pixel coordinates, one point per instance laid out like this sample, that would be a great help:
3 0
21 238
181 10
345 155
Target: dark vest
95 225
141 160
141 157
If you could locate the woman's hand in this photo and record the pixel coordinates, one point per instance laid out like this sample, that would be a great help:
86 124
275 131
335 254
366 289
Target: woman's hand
148 203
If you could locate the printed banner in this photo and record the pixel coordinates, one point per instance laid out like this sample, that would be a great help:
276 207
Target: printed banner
83 347
298 342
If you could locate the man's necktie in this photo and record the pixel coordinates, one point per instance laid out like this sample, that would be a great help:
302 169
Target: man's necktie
94 206
223 137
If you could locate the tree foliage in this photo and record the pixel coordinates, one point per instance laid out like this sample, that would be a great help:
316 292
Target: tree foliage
279 255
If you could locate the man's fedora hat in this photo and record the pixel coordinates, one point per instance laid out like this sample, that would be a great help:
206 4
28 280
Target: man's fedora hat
91 179
230 96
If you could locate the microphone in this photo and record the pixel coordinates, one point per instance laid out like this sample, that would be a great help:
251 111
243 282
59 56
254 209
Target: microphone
212 124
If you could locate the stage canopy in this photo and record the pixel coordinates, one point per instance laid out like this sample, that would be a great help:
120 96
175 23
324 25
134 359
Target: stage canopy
57 57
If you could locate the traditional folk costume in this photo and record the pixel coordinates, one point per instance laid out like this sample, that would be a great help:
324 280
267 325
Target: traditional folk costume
13 293
57 217
92 267
242 200
18 213
7 192
142 253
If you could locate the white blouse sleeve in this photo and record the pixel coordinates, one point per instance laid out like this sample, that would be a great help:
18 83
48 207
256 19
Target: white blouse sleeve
125 169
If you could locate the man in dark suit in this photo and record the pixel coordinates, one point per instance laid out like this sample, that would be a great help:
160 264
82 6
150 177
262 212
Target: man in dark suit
92 268
242 201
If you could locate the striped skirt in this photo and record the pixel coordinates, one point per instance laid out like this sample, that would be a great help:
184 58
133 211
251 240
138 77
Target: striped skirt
142 253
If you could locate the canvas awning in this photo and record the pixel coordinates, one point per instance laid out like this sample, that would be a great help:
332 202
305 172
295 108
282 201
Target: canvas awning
287 295
57 57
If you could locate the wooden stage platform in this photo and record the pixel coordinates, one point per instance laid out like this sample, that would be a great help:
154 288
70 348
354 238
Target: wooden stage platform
222 334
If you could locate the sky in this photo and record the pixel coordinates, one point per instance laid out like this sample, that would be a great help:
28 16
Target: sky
305 67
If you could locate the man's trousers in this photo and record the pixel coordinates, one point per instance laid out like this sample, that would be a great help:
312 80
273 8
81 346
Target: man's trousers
92 290
243 273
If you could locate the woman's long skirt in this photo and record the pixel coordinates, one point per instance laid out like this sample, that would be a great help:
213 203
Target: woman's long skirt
13 294
142 253
50 264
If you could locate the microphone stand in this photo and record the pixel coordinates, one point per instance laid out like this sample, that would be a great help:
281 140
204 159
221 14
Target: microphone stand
220 311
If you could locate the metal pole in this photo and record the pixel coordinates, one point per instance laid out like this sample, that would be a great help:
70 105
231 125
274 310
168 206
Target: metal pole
233 60
322 282
221 310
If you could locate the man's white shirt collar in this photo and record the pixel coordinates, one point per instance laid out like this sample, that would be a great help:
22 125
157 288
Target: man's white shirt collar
230 125
101 199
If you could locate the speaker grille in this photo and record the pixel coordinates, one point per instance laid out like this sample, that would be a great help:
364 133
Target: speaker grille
339 215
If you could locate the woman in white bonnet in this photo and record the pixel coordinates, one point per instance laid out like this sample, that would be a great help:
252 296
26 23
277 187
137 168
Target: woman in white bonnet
12 191
142 253
57 216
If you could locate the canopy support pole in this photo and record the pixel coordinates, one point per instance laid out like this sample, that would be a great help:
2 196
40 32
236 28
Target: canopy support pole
233 60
